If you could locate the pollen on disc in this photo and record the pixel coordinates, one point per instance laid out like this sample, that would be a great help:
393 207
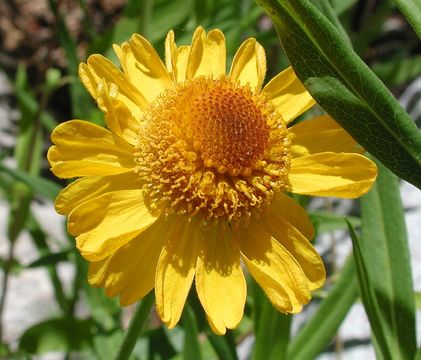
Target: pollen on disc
213 148
228 128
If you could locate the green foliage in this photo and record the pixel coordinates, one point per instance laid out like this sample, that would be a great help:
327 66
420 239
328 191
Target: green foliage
345 87
320 40
383 236
65 334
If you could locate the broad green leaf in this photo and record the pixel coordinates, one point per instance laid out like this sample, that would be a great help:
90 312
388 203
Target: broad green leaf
272 329
369 299
384 243
412 11
345 87
37 184
317 333
61 334
191 340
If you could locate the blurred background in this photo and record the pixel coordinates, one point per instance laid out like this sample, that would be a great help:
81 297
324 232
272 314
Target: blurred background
47 309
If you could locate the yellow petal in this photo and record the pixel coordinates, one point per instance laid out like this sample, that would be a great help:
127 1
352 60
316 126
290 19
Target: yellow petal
291 211
183 53
321 134
274 269
176 268
90 187
220 282
330 174
207 55
297 245
99 68
249 64
109 221
176 58
288 95
171 54
130 271
85 149
143 66
118 117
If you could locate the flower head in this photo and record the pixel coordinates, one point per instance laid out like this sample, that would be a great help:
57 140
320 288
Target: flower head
188 182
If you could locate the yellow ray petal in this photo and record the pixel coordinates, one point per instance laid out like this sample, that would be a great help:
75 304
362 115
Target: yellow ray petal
249 64
297 246
85 149
291 211
171 54
220 282
90 187
130 271
109 221
275 270
99 68
143 66
176 58
183 53
321 134
207 54
329 174
118 117
288 95
176 268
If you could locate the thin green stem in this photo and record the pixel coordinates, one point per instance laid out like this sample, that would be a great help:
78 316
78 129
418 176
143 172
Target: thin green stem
136 324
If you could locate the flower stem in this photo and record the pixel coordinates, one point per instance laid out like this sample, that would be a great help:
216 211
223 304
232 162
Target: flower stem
136 324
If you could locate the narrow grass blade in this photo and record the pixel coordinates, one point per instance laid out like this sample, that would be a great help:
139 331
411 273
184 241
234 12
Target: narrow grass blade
191 349
368 297
384 243
136 324
37 184
315 336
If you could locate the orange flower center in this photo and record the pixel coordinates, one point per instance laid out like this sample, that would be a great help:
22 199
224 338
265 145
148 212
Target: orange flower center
213 148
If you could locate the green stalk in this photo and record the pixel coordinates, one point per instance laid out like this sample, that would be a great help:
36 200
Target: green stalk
136 324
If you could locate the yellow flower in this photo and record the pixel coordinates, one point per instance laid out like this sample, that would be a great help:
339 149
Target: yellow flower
189 180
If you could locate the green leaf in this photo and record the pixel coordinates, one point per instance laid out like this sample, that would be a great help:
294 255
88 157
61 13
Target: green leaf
316 334
384 243
37 184
79 98
272 329
223 345
412 11
106 345
327 222
139 319
61 334
50 259
369 298
191 341
398 71
345 87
